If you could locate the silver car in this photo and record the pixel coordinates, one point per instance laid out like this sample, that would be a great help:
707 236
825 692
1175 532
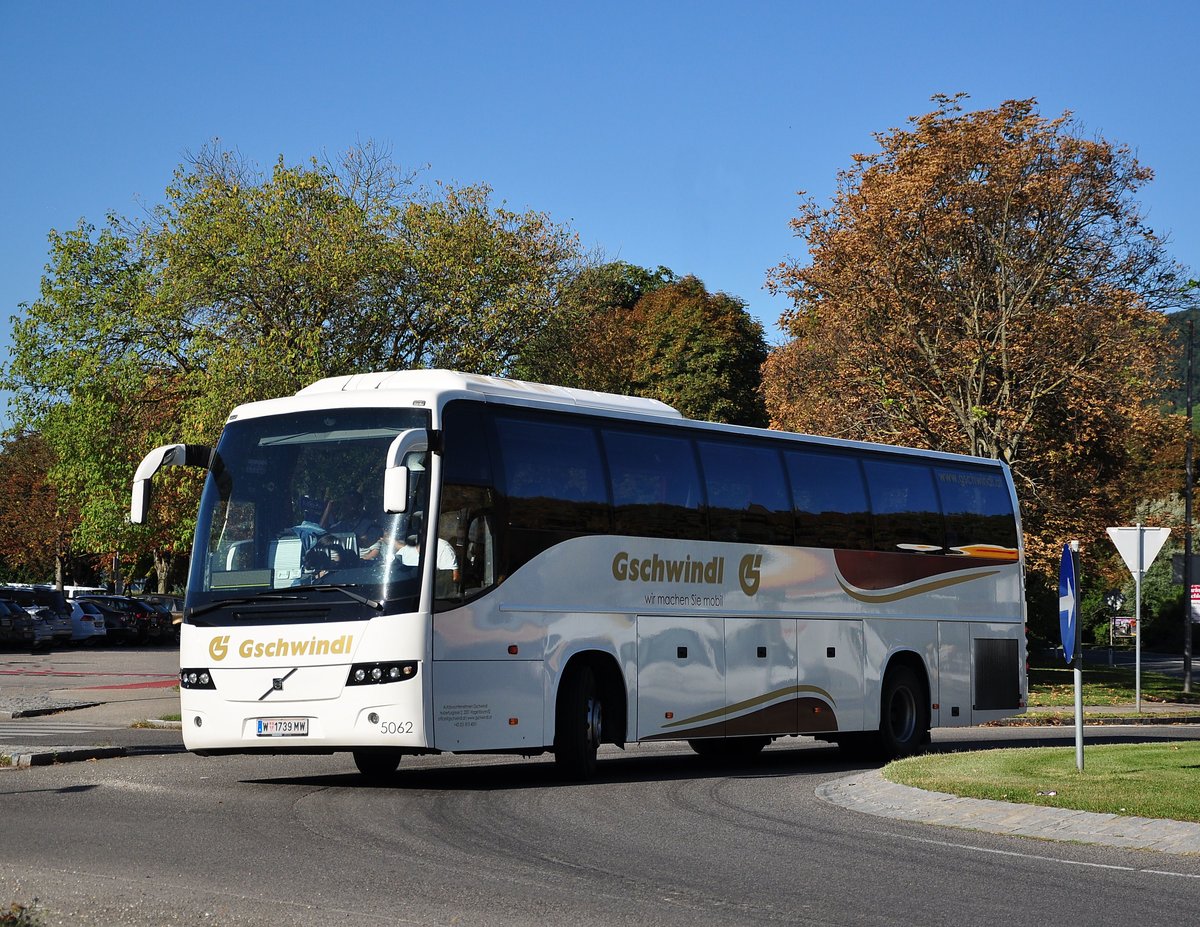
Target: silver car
59 625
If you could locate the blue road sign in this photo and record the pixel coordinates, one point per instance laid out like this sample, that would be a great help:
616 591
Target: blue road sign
1068 603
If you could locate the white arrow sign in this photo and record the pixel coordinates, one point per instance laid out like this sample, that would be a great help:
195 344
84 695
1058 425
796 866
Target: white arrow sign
1066 604
1127 541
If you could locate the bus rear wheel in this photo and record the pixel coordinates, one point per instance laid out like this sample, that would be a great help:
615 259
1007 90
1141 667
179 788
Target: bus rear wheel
904 714
903 721
376 765
579 725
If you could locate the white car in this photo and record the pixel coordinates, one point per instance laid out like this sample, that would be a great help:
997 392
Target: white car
87 621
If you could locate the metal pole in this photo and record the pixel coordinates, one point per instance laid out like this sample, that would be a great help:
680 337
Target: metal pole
1137 621
1077 664
1187 528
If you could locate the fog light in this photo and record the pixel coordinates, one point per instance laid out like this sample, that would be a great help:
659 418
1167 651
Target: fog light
373 717
198 721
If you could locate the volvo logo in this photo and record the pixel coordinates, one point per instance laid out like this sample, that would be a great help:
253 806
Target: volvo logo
277 683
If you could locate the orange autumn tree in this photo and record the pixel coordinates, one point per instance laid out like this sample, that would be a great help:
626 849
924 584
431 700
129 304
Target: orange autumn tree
986 284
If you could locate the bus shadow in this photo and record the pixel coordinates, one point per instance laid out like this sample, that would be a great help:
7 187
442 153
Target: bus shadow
455 773
467 773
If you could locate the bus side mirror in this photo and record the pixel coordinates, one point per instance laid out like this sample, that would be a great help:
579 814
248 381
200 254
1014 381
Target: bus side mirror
395 474
395 490
169 455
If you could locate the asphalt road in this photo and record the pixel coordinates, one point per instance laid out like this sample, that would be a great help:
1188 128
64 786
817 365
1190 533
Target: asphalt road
661 838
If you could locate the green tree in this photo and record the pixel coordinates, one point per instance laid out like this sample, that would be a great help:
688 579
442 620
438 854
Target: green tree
592 343
634 331
701 352
242 286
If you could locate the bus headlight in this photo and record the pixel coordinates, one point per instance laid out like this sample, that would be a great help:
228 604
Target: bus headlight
369 674
196 679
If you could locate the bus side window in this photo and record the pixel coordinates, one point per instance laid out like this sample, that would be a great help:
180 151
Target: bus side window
978 509
830 500
467 517
466 524
553 479
904 507
655 485
747 493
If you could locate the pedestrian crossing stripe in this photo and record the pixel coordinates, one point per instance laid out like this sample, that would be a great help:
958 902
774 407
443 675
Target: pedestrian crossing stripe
35 728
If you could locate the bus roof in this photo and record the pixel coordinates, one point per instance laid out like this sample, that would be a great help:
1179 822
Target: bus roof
400 388
449 381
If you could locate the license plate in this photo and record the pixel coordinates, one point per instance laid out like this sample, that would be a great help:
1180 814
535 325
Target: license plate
283 727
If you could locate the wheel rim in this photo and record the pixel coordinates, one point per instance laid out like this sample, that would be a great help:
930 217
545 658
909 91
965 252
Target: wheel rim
595 722
903 714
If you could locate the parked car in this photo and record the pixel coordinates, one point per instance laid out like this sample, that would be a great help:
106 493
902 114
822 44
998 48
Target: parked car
30 630
46 596
59 625
87 622
170 622
131 620
19 628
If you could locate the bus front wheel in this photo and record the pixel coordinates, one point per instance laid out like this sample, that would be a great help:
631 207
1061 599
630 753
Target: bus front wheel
579 725
376 765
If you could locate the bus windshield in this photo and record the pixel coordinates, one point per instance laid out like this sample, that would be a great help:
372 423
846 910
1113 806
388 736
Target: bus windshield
292 526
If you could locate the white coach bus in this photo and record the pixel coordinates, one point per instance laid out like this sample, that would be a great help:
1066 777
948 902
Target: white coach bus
426 561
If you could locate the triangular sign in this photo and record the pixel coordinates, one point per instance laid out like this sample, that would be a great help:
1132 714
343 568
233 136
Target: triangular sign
1126 541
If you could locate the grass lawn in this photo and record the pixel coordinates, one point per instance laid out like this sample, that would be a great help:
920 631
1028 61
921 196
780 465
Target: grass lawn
1148 780
1051 687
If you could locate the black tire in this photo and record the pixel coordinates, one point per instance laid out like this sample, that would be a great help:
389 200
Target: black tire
376 765
578 726
903 714
903 721
729 748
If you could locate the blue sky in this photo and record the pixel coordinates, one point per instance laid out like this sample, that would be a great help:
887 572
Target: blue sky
663 133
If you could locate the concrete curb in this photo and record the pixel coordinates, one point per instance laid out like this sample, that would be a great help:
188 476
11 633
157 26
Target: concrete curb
10 714
46 756
870 793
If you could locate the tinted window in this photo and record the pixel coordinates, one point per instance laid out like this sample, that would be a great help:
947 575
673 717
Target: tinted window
829 499
747 493
553 477
655 485
905 507
465 456
978 510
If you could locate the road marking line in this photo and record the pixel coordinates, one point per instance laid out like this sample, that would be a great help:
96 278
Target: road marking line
1047 859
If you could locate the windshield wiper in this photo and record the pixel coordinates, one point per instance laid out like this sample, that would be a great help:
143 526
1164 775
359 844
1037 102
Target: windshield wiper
344 590
240 600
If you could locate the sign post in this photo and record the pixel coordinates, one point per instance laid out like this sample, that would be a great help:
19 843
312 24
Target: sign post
1068 625
1138 546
